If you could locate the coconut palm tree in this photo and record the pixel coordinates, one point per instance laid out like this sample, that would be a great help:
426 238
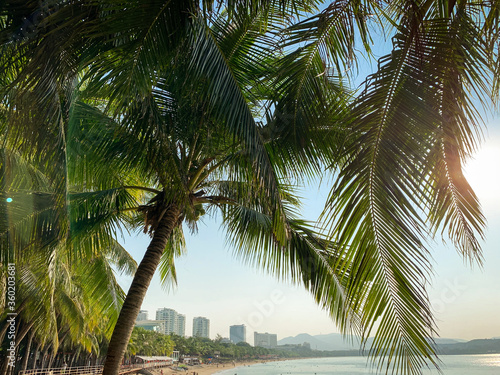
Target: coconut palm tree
66 294
189 147
186 159
193 166
61 285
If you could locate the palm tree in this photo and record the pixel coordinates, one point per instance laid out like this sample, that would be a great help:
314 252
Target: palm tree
398 146
62 282
414 125
66 294
196 162
197 167
198 149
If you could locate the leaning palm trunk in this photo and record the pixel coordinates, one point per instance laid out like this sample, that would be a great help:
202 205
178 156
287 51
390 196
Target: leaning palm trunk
24 364
51 358
35 356
45 355
4 367
137 292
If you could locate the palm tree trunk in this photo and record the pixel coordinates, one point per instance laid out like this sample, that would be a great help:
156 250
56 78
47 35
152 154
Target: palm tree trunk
24 364
3 290
4 366
137 292
75 355
52 358
45 356
22 332
33 363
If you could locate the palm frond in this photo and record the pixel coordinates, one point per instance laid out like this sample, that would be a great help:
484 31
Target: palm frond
102 290
307 258
176 247
460 66
308 103
374 216
96 218
225 95
415 123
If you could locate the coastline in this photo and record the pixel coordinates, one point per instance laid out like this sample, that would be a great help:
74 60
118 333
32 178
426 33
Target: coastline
472 364
211 369
245 364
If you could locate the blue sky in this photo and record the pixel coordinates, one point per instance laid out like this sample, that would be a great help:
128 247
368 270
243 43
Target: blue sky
215 284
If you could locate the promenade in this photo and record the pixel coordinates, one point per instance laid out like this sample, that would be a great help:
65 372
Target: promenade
97 370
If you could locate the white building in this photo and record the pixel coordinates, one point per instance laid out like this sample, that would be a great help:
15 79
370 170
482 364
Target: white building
265 340
180 325
143 315
238 333
152 325
201 327
174 322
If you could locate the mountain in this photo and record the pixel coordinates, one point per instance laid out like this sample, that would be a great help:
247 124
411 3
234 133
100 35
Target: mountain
331 341
481 346
335 341
445 341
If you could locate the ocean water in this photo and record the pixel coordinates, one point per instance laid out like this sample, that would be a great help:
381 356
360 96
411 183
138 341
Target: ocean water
486 364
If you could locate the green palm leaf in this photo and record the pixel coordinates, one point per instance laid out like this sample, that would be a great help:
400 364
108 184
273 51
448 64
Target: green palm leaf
307 258
414 123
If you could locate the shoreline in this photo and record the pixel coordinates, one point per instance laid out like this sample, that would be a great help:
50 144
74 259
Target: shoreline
248 364
212 369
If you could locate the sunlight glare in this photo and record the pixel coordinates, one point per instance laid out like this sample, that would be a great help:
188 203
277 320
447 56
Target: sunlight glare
483 173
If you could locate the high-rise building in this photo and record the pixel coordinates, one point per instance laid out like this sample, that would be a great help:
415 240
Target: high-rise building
143 315
201 327
174 322
265 340
238 333
180 325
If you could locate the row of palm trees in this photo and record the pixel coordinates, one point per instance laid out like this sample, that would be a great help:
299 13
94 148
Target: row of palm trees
63 304
120 115
149 343
218 349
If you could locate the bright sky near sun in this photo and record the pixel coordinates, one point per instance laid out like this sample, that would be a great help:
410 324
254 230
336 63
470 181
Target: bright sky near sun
215 284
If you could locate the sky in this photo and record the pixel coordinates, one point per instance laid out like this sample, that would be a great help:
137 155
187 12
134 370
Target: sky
215 284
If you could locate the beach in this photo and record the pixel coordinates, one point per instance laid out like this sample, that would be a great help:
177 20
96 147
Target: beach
206 369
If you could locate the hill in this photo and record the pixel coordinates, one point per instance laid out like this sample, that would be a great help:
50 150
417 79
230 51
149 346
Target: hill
335 341
480 346
331 341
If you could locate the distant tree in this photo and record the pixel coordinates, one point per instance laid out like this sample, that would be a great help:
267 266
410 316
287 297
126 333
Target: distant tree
218 338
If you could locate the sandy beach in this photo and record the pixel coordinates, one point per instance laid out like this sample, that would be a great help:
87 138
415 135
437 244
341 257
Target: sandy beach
204 369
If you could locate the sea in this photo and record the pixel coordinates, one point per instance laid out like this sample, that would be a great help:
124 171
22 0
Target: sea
484 364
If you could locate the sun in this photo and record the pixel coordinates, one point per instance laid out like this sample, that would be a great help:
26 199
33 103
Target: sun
483 173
